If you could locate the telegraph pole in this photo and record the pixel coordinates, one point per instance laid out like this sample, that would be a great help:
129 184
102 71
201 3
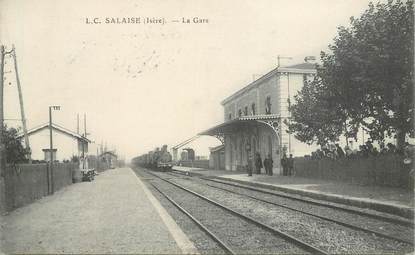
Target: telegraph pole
85 125
19 88
83 145
84 150
55 107
51 149
2 149
97 166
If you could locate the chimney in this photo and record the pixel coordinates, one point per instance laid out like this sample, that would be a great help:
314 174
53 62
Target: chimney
310 59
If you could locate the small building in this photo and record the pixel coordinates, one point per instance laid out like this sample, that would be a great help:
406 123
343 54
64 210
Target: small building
109 159
254 118
217 157
184 156
66 143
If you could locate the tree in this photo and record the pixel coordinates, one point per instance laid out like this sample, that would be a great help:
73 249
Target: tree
316 116
15 152
369 76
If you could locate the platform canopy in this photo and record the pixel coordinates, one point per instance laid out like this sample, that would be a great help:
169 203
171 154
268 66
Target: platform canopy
242 123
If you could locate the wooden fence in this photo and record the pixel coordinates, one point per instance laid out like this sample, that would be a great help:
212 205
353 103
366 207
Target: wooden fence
385 170
26 183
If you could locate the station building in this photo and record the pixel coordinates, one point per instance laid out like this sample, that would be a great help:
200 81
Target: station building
254 119
66 143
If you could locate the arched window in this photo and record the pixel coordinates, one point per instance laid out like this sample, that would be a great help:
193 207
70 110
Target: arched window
253 109
268 105
230 116
239 112
246 111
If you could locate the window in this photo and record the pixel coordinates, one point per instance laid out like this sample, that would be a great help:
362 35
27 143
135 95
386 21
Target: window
268 105
230 116
47 154
253 110
239 112
246 111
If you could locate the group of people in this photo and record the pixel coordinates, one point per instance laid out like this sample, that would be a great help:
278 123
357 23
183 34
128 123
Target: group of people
330 150
268 164
286 163
334 151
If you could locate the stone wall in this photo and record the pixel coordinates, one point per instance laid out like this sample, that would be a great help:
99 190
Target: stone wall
26 183
386 170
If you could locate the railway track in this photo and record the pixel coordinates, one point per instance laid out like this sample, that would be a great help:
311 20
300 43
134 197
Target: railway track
408 239
395 220
399 221
204 239
277 242
221 243
403 222
346 224
329 237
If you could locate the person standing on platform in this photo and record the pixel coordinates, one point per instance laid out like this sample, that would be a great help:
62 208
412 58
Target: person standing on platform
284 164
258 163
290 165
268 164
250 166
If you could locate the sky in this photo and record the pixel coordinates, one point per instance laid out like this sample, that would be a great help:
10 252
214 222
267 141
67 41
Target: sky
145 85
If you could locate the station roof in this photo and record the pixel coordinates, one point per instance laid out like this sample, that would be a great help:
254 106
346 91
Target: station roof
57 128
302 66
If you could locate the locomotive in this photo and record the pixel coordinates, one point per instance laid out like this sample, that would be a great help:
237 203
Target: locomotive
158 159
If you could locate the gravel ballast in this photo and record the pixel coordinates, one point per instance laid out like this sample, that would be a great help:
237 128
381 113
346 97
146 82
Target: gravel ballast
242 236
389 228
200 239
327 236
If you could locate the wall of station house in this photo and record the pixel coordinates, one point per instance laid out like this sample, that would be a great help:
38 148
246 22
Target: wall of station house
256 95
261 139
281 88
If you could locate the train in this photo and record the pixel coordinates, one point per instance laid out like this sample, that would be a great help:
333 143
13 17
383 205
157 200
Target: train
158 159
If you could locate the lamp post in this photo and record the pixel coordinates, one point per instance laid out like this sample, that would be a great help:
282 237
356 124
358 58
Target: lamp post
57 108
2 145
97 161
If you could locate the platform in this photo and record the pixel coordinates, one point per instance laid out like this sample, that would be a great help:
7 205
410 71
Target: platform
384 199
115 213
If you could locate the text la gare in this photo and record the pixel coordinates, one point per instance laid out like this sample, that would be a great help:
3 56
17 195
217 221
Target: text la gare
195 20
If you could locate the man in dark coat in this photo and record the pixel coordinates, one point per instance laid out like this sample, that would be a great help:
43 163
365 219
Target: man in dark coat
249 166
284 164
258 163
268 164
